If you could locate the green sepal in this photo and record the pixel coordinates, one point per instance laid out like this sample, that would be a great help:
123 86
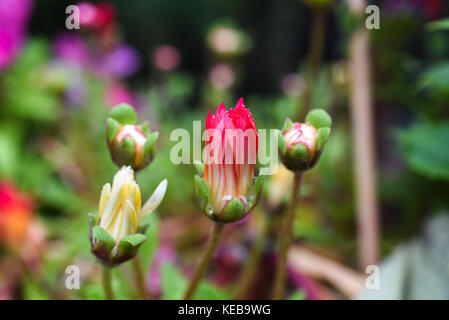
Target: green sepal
297 158
123 113
319 119
322 137
148 147
256 190
93 219
199 166
203 191
128 246
125 152
282 144
145 128
142 228
288 124
233 211
113 127
102 238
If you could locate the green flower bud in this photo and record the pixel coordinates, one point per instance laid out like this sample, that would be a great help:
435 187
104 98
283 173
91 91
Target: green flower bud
129 144
301 144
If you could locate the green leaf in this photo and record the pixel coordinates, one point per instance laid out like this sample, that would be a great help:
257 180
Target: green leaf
174 285
297 295
149 247
436 78
424 146
442 24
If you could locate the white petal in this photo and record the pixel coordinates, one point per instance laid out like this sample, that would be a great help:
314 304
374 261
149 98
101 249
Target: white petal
155 199
104 198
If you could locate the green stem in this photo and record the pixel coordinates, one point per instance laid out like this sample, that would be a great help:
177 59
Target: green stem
286 236
106 280
140 277
249 272
205 260
314 60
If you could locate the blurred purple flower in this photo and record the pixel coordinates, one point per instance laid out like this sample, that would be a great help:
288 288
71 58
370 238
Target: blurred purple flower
71 48
165 254
13 18
120 62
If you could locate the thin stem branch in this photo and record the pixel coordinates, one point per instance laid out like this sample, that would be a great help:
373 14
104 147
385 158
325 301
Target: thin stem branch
249 271
140 277
106 280
286 236
316 46
205 260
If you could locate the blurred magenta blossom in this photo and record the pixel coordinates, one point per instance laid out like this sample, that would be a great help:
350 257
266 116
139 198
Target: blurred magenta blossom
72 48
96 16
13 19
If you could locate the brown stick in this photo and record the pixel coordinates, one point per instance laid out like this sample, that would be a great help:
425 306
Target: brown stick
363 141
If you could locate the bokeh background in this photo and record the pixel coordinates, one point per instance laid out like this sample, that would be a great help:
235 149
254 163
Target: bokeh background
173 61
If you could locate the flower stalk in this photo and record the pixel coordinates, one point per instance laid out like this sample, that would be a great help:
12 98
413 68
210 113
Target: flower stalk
106 281
205 261
286 237
140 278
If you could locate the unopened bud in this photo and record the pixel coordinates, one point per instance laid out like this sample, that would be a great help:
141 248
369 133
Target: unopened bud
129 144
301 144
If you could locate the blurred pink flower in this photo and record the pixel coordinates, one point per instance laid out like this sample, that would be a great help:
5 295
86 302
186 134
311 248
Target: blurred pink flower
117 93
166 58
222 76
16 212
13 18
293 85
